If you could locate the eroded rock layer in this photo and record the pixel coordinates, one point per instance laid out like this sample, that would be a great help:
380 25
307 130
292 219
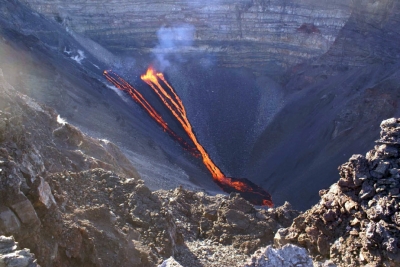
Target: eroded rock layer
241 33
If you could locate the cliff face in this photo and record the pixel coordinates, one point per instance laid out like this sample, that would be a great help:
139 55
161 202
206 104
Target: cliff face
241 33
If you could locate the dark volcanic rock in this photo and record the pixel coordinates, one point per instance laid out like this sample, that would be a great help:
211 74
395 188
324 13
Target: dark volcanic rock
67 198
356 221
327 104
230 222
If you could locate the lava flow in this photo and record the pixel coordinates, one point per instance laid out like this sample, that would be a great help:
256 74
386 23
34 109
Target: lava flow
250 191
123 85
247 189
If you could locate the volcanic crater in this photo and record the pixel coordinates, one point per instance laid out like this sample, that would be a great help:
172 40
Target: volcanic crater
261 98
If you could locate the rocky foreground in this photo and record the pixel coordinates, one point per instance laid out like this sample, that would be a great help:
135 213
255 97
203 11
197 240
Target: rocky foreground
77 201
72 200
357 221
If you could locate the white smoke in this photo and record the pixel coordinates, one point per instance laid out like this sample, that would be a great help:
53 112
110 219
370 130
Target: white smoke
172 42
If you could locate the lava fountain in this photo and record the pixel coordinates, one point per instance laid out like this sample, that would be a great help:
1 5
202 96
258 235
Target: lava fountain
247 189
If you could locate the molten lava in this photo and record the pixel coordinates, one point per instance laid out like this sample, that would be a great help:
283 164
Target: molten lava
247 189
179 112
123 85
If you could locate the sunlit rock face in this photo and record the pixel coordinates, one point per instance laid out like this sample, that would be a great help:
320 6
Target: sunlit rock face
240 33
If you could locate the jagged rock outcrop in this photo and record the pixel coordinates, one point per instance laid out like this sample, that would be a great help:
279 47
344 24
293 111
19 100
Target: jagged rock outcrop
232 227
72 199
288 255
11 256
356 222
242 33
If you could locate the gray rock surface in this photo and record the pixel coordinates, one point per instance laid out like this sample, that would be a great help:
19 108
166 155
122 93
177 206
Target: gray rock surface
287 256
55 185
9 222
325 106
11 256
39 57
220 230
94 199
170 262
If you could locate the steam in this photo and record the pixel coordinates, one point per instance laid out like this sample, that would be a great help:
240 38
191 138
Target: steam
172 42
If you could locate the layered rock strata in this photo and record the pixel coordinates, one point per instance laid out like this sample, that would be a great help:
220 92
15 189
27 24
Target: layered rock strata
240 33
369 37
356 222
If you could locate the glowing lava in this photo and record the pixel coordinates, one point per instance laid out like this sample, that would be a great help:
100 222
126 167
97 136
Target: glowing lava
246 188
179 112
123 85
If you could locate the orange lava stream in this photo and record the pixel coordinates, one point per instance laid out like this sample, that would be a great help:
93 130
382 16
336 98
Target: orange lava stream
138 97
179 112
180 104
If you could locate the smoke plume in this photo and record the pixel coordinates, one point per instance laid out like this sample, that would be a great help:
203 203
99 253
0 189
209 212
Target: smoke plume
172 43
